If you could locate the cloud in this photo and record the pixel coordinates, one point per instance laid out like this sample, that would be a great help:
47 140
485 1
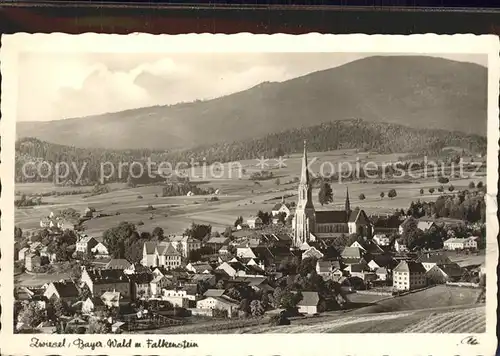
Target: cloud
54 86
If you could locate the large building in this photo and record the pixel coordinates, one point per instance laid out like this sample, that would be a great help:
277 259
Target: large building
311 225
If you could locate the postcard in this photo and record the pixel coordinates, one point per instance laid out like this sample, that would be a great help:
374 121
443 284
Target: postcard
249 194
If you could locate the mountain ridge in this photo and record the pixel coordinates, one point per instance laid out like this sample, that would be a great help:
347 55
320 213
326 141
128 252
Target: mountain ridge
415 91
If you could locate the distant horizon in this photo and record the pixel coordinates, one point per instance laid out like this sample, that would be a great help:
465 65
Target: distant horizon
111 74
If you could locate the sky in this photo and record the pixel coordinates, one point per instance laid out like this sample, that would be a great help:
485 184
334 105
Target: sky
55 86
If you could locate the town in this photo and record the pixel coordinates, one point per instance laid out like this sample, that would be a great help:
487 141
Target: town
297 264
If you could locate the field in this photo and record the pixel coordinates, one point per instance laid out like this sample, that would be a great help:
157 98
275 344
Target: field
238 195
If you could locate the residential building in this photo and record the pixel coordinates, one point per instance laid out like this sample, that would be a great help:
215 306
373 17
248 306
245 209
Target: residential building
86 244
327 268
352 253
216 243
135 268
185 244
442 273
409 275
92 305
158 283
312 252
309 303
199 267
22 253
382 239
460 244
112 299
161 254
140 285
281 208
221 302
177 297
100 251
431 259
254 222
100 281
386 225
423 225
32 261
382 274
65 291
399 246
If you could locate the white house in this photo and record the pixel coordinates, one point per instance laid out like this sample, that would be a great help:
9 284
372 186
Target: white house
281 208
431 259
254 222
312 252
221 302
400 247
460 244
409 275
309 303
381 240
100 251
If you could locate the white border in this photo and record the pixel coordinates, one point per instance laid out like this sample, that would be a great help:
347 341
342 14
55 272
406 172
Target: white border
275 344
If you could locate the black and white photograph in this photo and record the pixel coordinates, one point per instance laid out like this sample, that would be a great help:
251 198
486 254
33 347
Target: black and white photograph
187 192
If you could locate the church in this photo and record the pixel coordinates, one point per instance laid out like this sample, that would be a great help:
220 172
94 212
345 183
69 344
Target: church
311 225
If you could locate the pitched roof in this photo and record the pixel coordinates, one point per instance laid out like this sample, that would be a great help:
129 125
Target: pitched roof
200 267
331 216
214 292
279 205
355 214
410 266
451 269
166 249
104 276
324 266
352 252
118 263
309 299
458 240
425 225
433 257
218 240
150 247
86 239
391 222
66 289
141 278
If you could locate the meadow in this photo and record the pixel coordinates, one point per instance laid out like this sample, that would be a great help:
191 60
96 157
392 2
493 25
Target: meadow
238 194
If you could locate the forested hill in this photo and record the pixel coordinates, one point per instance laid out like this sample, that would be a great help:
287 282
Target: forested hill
379 137
415 91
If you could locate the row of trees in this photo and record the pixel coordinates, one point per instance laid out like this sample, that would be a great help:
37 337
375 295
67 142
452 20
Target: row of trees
347 134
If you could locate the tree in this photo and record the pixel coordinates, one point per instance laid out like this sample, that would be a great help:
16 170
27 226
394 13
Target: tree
472 185
59 308
265 217
479 185
97 326
238 221
277 181
290 300
228 232
158 233
31 315
443 180
257 308
114 238
382 195
421 191
325 195
431 190
392 193
281 217
362 196
451 188
18 233
198 231
441 189
306 266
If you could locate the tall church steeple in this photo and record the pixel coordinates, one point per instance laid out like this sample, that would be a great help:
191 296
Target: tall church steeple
305 216
347 203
